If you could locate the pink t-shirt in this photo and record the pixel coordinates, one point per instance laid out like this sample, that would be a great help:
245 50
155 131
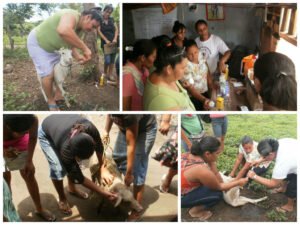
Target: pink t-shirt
21 143
217 115
130 90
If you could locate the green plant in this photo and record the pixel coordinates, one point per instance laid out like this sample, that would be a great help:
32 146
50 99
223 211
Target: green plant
14 100
17 53
276 216
87 72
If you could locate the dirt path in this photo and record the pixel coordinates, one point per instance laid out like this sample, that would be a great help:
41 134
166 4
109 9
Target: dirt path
158 206
223 212
25 94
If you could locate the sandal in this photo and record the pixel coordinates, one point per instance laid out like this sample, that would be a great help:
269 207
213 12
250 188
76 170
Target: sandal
79 194
60 102
46 215
53 107
65 208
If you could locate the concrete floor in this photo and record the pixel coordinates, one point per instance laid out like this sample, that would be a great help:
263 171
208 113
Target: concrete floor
159 206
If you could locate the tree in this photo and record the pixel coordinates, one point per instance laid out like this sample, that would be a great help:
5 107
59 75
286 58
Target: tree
14 16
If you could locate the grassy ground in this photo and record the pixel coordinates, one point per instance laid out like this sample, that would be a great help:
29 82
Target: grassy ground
256 126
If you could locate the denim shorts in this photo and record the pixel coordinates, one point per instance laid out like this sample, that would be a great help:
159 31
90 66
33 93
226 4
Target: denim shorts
145 142
219 126
109 59
57 172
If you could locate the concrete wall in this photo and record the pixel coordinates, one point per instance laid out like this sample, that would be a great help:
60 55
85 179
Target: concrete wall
241 26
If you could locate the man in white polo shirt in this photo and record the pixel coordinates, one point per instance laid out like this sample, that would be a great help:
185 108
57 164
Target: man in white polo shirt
284 152
210 47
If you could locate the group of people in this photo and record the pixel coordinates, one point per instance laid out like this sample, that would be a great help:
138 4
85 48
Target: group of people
65 29
66 140
178 74
201 182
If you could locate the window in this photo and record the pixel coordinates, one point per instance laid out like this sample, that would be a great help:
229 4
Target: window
288 24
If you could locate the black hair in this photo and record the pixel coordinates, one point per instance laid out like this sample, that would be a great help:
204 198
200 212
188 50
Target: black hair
206 144
168 56
276 73
141 47
162 41
19 122
177 26
94 13
246 140
200 22
189 43
266 146
109 7
82 145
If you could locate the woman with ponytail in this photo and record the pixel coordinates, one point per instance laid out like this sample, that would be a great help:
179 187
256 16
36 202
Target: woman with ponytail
179 31
138 60
284 176
274 79
163 91
66 140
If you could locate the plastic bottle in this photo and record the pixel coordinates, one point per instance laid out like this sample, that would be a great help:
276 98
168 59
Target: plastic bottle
222 85
101 82
226 71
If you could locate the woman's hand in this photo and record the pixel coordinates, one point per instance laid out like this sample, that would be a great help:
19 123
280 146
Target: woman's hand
164 127
206 104
251 174
231 174
111 196
106 176
105 138
29 169
243 181
128 179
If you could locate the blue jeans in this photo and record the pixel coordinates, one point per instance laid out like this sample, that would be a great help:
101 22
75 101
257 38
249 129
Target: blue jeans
143 147
109 59
57 172
201 196
219 126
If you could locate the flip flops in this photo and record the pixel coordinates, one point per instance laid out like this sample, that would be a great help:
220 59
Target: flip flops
53 107
65 208
46 215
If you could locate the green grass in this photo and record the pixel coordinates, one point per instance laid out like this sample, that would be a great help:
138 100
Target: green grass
14 100
18 40
16 54
258 127
276 216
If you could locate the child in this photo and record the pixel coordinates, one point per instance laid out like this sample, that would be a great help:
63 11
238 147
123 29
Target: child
248 153
197 76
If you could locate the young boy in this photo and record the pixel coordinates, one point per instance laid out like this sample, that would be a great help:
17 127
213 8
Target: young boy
250 158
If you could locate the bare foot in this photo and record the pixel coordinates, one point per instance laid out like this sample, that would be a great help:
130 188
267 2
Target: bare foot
285 208
200 212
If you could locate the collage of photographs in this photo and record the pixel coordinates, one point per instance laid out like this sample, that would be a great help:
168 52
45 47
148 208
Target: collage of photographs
135 111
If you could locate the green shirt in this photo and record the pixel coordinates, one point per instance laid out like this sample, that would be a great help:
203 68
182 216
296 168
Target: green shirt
191 124
160 98
46 33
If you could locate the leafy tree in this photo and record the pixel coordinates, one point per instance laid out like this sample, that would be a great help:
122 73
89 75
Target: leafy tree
14 16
